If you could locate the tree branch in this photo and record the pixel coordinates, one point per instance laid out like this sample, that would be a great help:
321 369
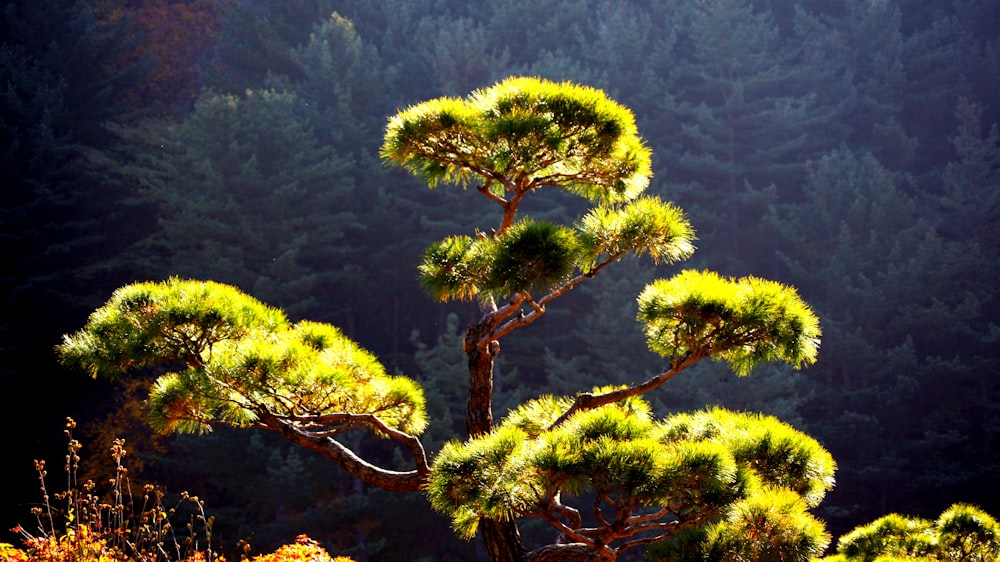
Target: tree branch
571 551
539 305
411 481
571 514
637 519
510 209
588 401
485 190
411 442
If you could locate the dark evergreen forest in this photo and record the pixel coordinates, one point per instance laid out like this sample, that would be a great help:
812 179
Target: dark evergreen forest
849 148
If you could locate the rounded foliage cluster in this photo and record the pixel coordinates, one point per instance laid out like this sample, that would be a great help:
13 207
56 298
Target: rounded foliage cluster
962 532
712 470
235 359
744 322
524 133
536 256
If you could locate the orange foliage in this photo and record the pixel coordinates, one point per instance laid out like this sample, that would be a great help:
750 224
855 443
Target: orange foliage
77 545
304 550
84 546
177 34
77 526
10 554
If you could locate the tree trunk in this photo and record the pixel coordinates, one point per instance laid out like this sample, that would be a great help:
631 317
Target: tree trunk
481 352
502 538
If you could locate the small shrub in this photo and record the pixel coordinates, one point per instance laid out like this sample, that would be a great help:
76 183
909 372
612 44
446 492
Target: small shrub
79 525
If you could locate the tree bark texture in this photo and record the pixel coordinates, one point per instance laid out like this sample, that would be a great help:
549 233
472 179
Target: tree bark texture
502 538
481 350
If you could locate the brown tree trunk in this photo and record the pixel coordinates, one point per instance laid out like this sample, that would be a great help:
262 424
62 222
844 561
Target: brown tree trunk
502 538
481 351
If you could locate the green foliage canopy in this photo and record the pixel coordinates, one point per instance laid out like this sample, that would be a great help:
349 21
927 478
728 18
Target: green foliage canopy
744 322
714 468
535 256
526 133
243 361
520 134
517 136
235 361
962 532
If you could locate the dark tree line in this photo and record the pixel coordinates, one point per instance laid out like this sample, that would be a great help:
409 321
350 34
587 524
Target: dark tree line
858 138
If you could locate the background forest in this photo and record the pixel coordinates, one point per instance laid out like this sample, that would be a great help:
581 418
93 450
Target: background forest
848 148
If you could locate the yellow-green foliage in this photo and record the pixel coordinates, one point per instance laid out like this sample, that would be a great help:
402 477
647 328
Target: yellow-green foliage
966 532
773 524
238 359
179 321
780 454
744 322
519 135
532 132
962 533
647 225
704 467
532 256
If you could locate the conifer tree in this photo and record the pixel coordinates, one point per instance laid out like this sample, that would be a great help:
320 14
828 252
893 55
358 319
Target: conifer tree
245 194
865 43
255 41
962 532
746 122
721 475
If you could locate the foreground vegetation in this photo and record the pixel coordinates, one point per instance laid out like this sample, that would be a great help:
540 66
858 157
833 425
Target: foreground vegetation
79 524
963 533
84 524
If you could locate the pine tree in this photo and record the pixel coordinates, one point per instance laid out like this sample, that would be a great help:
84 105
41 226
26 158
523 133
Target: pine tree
245 194
255 42
866 44
242 363
744 123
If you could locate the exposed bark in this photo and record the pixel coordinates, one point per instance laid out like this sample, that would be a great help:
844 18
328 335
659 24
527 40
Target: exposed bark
588 401
502 538
481 349
563 553
371 475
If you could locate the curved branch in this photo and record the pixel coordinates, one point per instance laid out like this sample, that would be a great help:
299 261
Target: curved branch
571 533
638 519
611 258
538 307
411 442
567 552
668 529
410 481
485 190
571 514
588 401
508 310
